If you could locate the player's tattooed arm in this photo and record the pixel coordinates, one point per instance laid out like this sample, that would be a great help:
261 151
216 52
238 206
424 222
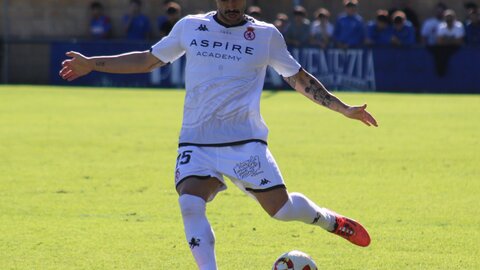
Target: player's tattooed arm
78 65
312 88
132 62
291 81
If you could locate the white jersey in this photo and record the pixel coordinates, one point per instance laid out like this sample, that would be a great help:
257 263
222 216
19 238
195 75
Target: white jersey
457 31
225 73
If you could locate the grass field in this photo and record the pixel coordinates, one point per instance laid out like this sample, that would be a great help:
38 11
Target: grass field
86 182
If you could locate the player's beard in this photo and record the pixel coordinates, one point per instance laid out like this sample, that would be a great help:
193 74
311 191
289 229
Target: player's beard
232 16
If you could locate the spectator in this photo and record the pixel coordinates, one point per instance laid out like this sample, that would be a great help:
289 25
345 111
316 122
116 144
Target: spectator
100 25
321 29
406 7
298 32
403 30
380 32
349 28
173 15
136 25
469 8
451 31
255 12
473 29
163 18
282 23
430 26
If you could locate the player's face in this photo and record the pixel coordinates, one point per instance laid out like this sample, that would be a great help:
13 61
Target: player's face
231 11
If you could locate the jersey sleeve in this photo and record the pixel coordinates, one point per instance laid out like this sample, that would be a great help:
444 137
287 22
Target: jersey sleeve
280 58
170 48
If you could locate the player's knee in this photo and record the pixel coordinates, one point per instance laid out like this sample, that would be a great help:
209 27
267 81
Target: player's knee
294 195
191 205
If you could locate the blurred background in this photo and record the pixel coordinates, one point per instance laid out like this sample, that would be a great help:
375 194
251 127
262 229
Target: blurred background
376 45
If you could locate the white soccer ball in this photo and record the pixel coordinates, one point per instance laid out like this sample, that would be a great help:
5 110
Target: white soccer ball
294 260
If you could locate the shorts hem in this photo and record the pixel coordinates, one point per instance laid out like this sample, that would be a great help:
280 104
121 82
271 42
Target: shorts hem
222 144
265 190
202 177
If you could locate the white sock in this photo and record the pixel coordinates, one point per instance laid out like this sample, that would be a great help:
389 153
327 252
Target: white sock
198 231
300 208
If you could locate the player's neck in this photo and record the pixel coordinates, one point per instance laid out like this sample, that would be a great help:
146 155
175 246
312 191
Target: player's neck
229 23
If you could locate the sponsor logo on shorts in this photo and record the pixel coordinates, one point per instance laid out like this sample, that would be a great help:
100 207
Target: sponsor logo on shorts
248 168
264 182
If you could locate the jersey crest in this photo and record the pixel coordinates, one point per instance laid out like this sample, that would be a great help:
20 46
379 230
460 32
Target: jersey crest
250 33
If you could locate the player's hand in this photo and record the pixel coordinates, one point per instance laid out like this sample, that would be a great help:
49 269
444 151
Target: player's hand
359 113
75 67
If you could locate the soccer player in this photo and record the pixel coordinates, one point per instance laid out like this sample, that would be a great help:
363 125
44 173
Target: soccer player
223 133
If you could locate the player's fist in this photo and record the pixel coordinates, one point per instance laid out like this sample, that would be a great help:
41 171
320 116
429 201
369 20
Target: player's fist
74 67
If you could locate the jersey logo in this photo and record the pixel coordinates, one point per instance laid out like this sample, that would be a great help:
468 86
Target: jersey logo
202 27
249 34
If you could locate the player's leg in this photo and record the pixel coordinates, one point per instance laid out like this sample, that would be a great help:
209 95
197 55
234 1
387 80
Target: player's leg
197 183
297 207
194 192
261 176
294 206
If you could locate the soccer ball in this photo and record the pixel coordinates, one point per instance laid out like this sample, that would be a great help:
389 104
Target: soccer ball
294 260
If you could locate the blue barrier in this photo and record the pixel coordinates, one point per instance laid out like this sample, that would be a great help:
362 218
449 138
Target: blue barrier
365 69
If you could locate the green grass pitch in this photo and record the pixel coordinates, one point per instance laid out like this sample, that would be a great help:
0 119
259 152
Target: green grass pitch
86 182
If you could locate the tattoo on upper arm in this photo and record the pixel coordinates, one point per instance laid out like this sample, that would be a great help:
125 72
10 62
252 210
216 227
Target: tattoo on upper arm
319 93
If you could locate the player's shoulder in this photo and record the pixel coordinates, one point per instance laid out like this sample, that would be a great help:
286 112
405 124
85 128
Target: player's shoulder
205 17
258 24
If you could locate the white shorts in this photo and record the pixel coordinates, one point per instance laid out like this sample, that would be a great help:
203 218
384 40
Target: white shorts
250 166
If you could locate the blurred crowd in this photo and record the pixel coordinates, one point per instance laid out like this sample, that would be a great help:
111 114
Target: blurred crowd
136 25
398 26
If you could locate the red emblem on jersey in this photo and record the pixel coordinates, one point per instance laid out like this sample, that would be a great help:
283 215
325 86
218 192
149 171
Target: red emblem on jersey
249 34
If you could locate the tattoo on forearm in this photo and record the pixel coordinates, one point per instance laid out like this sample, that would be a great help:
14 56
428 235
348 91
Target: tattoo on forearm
291 81
100 63
319 93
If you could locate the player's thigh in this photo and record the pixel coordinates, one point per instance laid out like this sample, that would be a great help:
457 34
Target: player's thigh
204 188
194 174
272 200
